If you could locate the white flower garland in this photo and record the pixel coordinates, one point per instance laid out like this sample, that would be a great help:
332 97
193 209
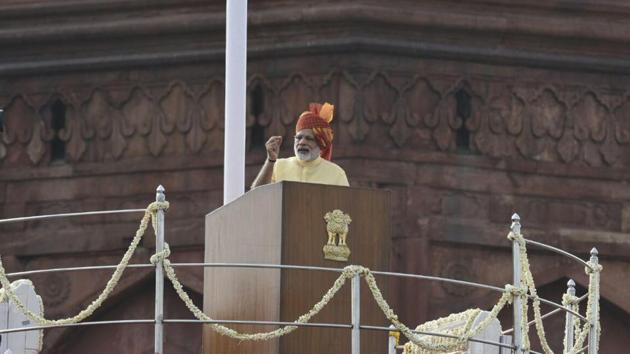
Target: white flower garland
419 344
109 288
468 317
348 272
423 342
527 285
527 282
572 303
449 344
440 345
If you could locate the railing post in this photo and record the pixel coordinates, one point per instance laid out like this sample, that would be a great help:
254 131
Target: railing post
505 340
569 318
159 274
356 314
393 340
517 303
593 332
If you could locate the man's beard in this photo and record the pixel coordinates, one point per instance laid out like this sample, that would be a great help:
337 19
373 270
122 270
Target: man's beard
309 155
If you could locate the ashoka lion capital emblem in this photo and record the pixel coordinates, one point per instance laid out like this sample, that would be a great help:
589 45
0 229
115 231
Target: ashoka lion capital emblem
336 248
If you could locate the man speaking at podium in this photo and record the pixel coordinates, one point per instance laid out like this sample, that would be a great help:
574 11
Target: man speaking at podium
313 151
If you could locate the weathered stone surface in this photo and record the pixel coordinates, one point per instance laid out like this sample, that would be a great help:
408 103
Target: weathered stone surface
465 113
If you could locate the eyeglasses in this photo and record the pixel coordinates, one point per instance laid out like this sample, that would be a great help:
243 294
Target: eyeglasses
305 137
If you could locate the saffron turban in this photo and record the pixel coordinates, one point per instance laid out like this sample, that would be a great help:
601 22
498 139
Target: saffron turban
318 118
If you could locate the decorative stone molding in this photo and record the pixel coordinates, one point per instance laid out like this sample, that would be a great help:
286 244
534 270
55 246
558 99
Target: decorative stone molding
517 120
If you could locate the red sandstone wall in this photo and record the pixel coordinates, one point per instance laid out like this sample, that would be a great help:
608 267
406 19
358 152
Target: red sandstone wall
543 97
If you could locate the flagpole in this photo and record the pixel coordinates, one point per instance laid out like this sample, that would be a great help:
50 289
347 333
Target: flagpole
235 99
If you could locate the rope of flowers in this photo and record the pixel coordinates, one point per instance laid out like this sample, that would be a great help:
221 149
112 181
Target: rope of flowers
149 214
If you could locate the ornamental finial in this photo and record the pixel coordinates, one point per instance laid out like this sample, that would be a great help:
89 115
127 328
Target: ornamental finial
516 224
571 287
159 194
594 253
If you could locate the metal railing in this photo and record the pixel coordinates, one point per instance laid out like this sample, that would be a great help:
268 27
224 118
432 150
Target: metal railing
571 313
355 326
